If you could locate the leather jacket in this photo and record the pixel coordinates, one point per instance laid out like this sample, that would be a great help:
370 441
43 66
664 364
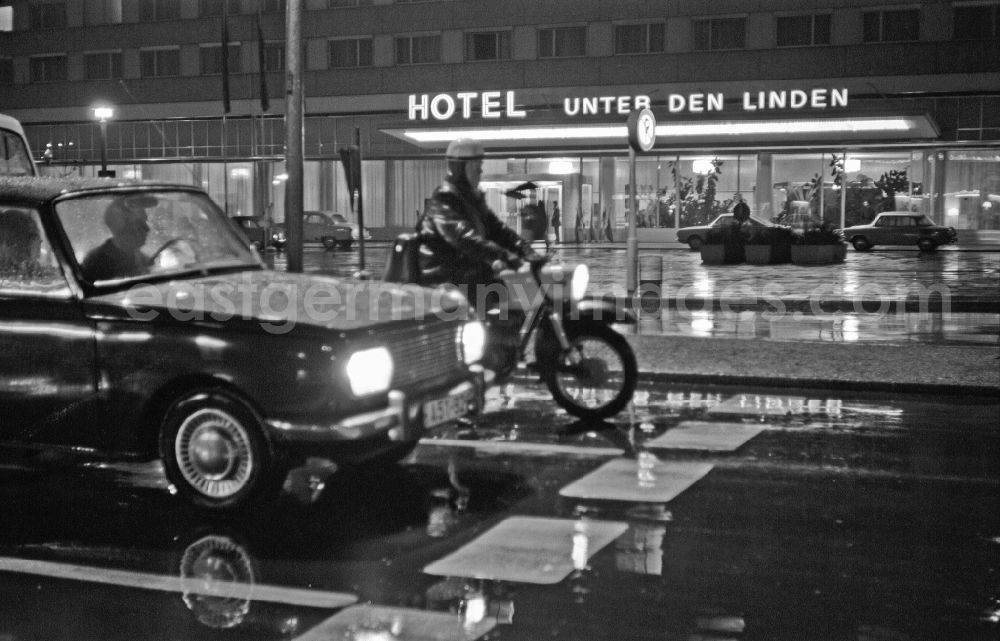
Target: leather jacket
461 237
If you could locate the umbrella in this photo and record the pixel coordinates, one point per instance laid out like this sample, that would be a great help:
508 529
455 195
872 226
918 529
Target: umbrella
510 193
525 186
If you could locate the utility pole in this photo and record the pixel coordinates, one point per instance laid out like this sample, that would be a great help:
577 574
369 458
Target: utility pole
294 133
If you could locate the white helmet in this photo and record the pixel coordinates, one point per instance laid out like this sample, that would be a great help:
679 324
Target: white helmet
464 149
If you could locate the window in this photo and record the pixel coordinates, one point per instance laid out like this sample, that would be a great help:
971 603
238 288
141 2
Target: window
6 19
974 22
159 10
29 265
351 52
50 15
562 42
6 70
349 3
273 6
891 26
798 31
412 50
720 33
487 45
155 63
211 59
102 12
48 68
218 7
640 38
274 56
103 65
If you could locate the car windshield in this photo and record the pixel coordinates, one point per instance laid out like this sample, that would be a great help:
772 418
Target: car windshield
124 235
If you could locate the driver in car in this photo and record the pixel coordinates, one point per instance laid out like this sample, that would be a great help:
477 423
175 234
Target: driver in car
120 256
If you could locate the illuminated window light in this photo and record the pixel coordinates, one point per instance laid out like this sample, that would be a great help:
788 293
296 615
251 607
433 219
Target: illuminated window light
561 167
852 165
702 166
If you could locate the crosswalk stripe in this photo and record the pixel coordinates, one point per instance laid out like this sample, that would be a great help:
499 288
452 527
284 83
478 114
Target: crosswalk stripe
524 447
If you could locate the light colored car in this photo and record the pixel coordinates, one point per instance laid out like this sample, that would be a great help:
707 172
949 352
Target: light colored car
355 228
900 228
15 155
696 235
321 227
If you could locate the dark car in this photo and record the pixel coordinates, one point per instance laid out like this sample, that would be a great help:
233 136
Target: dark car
900 228
696 235
259 234
320 227
136 323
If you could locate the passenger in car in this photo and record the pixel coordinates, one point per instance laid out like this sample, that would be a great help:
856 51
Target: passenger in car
20 242
120 255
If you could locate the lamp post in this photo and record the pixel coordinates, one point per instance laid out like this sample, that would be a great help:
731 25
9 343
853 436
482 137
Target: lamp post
103 114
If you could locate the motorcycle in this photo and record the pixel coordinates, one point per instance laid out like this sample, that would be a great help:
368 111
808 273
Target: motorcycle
542 310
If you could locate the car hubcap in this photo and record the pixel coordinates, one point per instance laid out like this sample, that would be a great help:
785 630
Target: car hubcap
214 453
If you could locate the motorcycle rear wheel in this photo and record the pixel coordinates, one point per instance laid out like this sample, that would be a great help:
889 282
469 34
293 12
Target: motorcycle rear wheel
602 383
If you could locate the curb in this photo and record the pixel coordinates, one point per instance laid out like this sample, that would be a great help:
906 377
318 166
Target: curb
650 304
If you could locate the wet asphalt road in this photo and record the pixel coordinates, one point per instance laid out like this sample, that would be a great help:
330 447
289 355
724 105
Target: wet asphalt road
699 513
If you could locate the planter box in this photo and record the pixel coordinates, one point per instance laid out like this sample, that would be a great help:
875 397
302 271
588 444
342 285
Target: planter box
716 254
766 254
818 254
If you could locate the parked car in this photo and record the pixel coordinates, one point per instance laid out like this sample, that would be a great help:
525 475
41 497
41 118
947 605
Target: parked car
182 346
696 235
259 234
15 155
320 227
799 221
900 228
355 228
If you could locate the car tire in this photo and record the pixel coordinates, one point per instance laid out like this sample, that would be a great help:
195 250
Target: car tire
328 242
344 244
694 243
861 244
927 245
214 451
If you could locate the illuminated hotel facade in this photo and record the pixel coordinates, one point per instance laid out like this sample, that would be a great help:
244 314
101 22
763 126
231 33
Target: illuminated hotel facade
831 109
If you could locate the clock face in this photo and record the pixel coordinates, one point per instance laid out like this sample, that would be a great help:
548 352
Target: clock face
646 130
642 130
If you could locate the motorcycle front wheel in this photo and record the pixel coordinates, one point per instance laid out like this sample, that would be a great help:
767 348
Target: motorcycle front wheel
596 378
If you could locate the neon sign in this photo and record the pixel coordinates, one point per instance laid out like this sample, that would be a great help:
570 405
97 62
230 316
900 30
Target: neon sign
494 105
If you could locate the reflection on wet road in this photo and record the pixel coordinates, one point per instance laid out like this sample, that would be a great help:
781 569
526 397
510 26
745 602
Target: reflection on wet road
949 292
699 513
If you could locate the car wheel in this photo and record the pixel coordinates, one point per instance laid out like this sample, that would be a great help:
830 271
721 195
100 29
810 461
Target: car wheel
926 245
694 243
861 243
214 451
344 244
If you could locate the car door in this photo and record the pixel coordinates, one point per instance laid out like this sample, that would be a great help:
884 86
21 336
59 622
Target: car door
908 231
47 374
882 230
313 227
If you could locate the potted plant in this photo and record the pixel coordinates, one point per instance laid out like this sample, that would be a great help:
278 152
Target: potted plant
723 245
821 245
768 245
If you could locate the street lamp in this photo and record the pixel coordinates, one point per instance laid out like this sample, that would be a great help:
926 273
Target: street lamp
103 114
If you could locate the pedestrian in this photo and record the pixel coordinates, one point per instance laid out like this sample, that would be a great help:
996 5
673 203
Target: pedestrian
608 232
556 220
541 224
579 224
741 211
527 215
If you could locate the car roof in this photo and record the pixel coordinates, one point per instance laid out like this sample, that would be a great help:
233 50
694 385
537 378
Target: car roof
37 189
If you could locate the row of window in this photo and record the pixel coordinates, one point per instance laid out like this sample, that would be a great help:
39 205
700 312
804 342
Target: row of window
973 21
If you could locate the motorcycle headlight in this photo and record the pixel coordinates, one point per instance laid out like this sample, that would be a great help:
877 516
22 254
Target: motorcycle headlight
473 342
579 281
369 371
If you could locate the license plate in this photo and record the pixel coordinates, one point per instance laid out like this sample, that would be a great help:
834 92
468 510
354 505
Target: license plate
442 410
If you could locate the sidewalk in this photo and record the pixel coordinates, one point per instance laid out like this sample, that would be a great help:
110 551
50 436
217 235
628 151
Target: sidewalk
758 326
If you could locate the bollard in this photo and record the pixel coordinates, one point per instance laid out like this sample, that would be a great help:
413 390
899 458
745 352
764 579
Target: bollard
650 282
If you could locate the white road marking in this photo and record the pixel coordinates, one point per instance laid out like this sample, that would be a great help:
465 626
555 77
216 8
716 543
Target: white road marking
167 583
524 447
529 550
643 480
706 436
399 624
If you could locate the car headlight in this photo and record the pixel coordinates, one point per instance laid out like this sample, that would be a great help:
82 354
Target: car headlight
369 371
579 281
473 342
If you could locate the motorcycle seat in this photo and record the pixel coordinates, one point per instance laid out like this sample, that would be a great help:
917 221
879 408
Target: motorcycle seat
403 263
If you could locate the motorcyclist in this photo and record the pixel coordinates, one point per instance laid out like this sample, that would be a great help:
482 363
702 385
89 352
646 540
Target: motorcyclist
462 241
